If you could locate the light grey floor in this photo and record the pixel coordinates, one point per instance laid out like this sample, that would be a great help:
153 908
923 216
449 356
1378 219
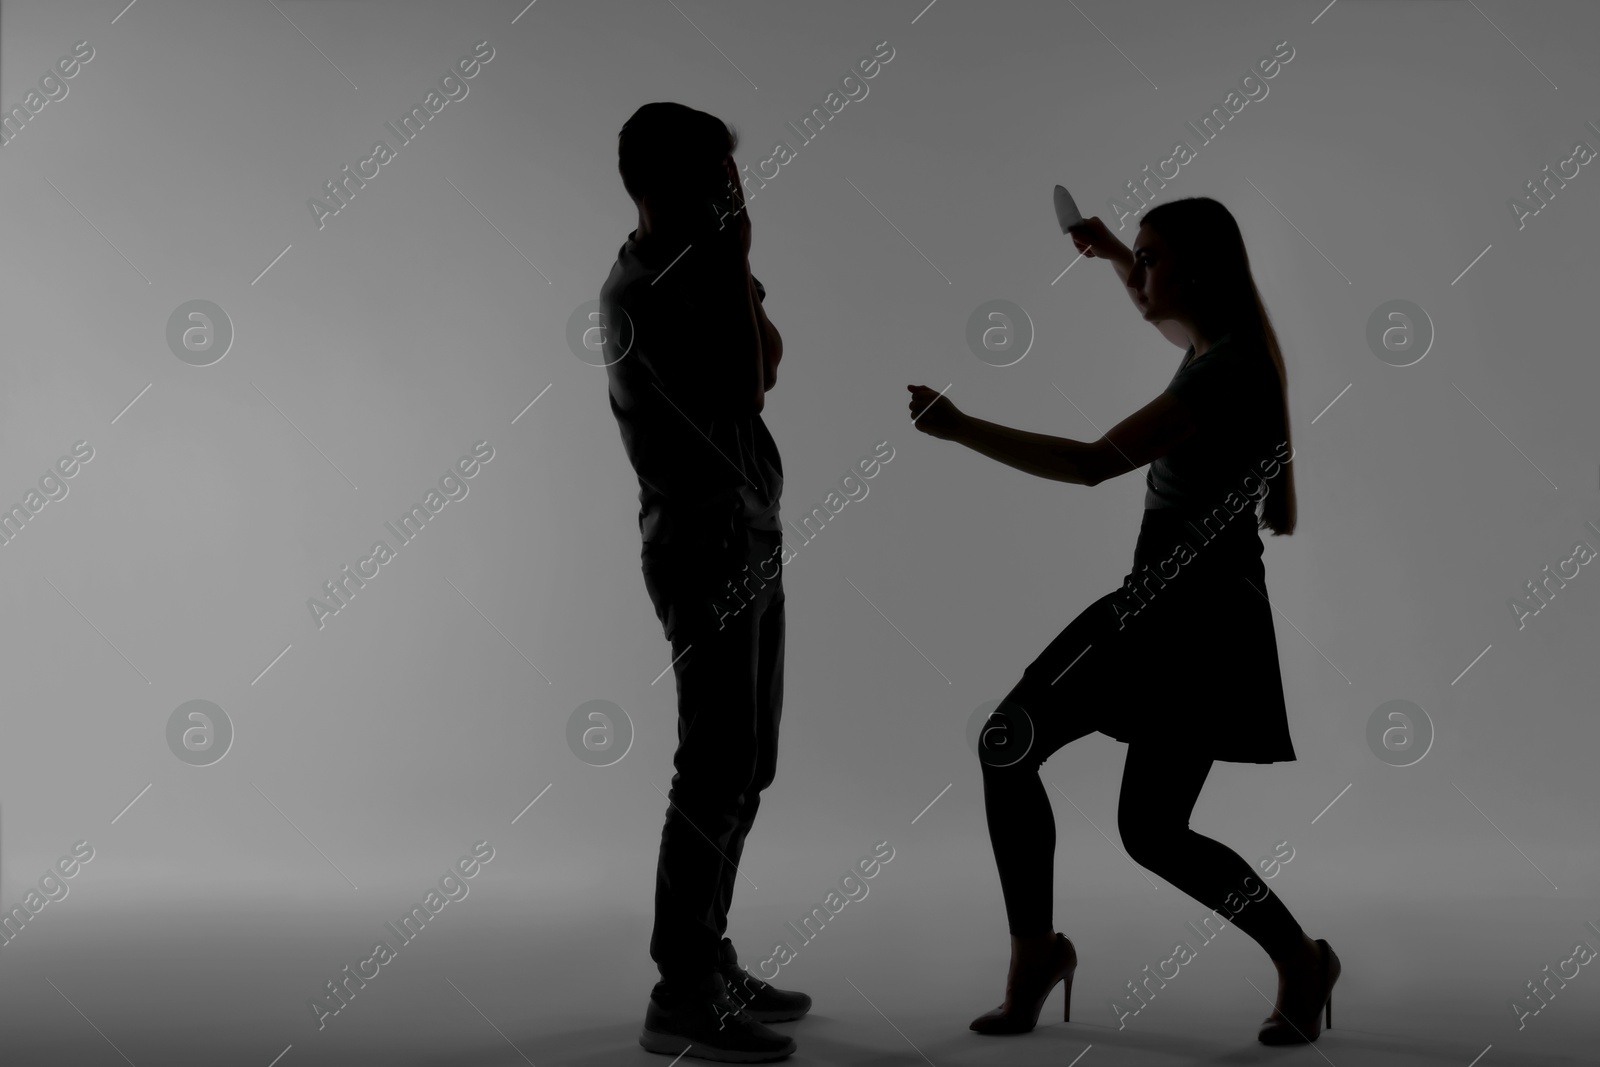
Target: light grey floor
498 980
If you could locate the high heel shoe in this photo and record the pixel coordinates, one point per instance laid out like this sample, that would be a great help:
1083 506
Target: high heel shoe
1305 1003
1028 985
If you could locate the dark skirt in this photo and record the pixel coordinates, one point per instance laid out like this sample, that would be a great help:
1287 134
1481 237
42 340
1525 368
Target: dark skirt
1184 654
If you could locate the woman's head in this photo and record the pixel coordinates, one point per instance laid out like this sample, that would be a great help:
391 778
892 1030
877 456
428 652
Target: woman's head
1190 264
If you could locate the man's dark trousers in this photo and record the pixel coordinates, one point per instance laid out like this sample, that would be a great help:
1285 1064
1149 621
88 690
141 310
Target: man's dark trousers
727 648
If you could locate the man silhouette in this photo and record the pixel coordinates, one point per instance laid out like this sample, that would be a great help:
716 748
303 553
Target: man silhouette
690 355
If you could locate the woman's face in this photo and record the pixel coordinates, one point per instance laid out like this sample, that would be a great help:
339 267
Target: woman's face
1157 282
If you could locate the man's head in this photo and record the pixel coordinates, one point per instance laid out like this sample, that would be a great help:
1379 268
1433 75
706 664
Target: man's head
676 156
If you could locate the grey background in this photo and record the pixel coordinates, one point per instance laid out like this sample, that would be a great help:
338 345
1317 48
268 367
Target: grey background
377 350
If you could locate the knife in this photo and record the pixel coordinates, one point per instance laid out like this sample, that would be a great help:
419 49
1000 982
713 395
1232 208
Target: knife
1067 212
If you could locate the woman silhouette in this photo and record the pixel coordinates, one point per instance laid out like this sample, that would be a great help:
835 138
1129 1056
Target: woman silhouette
1181 663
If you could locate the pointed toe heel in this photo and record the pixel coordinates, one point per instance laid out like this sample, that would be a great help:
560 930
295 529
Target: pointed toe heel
1303 998
1028 986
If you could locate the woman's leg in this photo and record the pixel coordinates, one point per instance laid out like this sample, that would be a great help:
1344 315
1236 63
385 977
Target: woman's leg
1159 788
1053 704
1022 831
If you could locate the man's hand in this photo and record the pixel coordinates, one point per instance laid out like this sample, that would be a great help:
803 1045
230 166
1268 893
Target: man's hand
771 352
738 218
771 341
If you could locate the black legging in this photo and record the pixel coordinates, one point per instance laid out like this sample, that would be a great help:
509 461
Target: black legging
1159 789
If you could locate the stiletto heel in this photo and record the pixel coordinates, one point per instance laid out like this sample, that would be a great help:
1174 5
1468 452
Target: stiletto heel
1029 985
1294 1019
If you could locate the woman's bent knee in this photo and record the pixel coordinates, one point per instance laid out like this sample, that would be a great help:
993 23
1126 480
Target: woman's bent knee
1006 738
1152 844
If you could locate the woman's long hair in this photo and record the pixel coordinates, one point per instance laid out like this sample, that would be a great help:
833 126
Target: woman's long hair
1205 242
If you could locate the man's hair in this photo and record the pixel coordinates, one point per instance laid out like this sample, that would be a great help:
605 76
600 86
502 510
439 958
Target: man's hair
670 150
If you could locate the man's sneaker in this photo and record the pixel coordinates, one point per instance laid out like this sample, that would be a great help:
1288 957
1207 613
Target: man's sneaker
703 1023
765 1003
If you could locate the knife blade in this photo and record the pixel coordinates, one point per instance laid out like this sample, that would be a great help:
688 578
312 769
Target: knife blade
1067 212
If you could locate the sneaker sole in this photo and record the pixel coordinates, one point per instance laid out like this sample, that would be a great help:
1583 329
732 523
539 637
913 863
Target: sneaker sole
673 1045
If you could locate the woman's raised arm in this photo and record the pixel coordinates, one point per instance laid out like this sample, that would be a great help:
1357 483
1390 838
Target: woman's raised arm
1096 241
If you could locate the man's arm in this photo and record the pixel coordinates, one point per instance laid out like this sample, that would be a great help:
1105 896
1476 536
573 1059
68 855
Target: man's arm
705 334
745 339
